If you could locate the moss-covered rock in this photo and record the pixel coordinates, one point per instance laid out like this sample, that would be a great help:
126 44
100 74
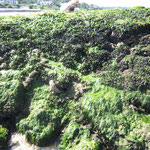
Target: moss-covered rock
77 137
11 93
141 70
115 116
68 37
94 60
110 46
131 72
44 121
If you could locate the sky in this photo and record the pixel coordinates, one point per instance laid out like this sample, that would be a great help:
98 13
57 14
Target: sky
111 3
121 3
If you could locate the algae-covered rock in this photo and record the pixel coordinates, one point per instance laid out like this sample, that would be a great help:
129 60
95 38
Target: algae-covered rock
94 60
3 137
115 116
77 137
44 121
131 72
11 93
68 37
99 62
59 76
53 88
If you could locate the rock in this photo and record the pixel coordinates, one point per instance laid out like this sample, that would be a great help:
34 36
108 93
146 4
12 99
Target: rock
32 74
78 87
28 54
113 34
35 52
12 97
1 59
112 45
53 87
30 78
87 23
71 8
127 71
76 91
12 51
43 61
120 44
27 82
3 66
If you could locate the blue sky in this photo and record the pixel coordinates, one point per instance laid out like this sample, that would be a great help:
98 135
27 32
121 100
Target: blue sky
122 3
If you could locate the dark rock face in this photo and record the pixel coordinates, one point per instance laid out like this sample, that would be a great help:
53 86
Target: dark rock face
71 8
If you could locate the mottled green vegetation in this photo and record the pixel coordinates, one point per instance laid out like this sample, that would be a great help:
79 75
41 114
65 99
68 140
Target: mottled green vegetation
77 136
114 114
94 60
98 62
46 111
11 93
68 37
62 75
131 72
3 137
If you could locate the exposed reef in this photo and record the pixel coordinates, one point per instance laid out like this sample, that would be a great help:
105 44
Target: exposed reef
82 76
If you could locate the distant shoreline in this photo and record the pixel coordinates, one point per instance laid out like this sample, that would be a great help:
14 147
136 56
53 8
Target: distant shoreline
18 10
115 7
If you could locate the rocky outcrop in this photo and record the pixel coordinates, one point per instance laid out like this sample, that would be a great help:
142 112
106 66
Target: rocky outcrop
83 77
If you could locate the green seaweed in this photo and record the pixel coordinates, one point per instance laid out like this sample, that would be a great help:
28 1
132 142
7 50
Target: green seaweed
106 52
77 137
44 121
3 137
11 93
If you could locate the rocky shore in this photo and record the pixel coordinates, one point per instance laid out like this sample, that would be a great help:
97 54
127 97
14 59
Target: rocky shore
82 77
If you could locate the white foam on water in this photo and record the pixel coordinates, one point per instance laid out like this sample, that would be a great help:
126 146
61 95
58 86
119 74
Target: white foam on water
18 142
